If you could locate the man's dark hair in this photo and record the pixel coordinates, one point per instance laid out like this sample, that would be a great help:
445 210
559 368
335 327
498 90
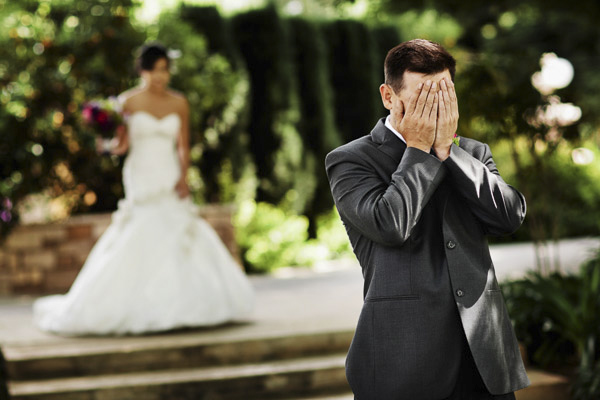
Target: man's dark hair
418 55
149 54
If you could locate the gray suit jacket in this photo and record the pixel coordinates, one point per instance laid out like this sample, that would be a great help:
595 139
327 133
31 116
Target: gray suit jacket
418 227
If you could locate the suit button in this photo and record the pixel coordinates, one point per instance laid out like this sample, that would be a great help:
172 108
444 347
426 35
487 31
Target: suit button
450 244
460 293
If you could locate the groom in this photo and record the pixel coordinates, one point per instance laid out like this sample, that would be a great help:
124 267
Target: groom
417 204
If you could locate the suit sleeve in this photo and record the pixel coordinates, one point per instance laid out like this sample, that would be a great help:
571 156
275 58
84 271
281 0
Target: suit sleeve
385 212
498 206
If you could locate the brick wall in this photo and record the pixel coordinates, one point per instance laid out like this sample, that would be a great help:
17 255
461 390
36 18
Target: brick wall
41 259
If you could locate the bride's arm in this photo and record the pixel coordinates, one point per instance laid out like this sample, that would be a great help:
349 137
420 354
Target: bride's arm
121 141
118 145
183 149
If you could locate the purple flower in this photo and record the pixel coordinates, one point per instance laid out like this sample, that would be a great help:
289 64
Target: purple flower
5 216
7 203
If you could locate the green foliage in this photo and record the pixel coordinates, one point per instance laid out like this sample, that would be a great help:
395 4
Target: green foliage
587 383
52 61
332 234
268 236
285 171
317 126
430 24
559 212
556 317
271 238
207 21
386 37
552 210
354 77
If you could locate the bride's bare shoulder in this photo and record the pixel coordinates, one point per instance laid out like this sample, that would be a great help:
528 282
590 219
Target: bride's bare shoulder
129 96
178 99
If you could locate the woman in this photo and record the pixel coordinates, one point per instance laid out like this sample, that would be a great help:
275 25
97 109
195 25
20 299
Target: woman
158 266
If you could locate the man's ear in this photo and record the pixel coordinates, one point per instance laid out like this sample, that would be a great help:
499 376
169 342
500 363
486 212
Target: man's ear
386 95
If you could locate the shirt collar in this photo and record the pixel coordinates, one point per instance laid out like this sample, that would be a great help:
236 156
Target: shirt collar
388 125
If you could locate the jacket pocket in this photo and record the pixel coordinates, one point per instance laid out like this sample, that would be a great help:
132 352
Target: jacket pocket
393 298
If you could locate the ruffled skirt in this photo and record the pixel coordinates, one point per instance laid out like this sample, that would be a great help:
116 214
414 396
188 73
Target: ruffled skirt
158 266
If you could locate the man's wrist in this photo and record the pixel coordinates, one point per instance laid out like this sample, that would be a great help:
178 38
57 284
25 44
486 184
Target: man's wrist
442 152
421 146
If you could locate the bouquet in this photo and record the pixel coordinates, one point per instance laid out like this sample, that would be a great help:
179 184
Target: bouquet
102 118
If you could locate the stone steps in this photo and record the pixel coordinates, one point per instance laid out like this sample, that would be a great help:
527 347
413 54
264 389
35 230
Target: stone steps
284 365
267 380
166 352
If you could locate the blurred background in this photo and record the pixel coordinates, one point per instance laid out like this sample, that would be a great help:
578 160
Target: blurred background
275 85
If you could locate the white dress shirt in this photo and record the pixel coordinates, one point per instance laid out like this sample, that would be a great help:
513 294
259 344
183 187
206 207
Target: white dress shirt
388 125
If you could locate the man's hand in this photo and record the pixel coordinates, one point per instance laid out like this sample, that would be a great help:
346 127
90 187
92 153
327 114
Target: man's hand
418 125
447 119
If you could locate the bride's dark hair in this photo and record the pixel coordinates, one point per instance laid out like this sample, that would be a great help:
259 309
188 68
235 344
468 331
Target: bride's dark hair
148 54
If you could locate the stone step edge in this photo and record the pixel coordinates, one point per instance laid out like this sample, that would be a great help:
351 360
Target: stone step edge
18 353
67 385
538 379
309 364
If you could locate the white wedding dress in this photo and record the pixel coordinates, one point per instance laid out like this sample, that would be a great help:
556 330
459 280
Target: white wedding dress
158 266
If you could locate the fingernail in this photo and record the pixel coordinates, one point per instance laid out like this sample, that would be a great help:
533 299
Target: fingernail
433 85
420 85
428 82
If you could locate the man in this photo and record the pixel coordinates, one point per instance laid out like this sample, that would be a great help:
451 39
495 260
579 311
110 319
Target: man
417 204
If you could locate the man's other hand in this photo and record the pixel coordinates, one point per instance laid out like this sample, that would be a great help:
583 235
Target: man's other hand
447 119
418 125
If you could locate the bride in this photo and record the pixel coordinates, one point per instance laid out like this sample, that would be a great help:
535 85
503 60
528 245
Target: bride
158 266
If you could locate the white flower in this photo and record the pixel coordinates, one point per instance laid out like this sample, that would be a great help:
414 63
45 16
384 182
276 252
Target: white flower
557 114
556 73
582 156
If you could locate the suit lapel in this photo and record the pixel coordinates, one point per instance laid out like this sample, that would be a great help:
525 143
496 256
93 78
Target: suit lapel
388 142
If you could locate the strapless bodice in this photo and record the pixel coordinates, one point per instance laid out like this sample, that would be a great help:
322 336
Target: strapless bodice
143 125
152 167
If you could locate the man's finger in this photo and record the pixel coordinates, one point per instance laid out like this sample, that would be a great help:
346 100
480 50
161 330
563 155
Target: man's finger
452 92
424 97
441 106
434 107
446 96
412 102
429 101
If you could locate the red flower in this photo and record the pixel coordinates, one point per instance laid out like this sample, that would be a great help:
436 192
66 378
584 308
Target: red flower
101 117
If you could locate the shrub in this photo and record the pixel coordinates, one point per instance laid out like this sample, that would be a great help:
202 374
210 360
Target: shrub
54 57
353 74
317 125
271 238
284 169
557 318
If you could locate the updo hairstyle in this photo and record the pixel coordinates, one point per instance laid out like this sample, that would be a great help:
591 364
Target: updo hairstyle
149 54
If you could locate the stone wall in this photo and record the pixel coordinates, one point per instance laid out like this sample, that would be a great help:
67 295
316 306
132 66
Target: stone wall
46 258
